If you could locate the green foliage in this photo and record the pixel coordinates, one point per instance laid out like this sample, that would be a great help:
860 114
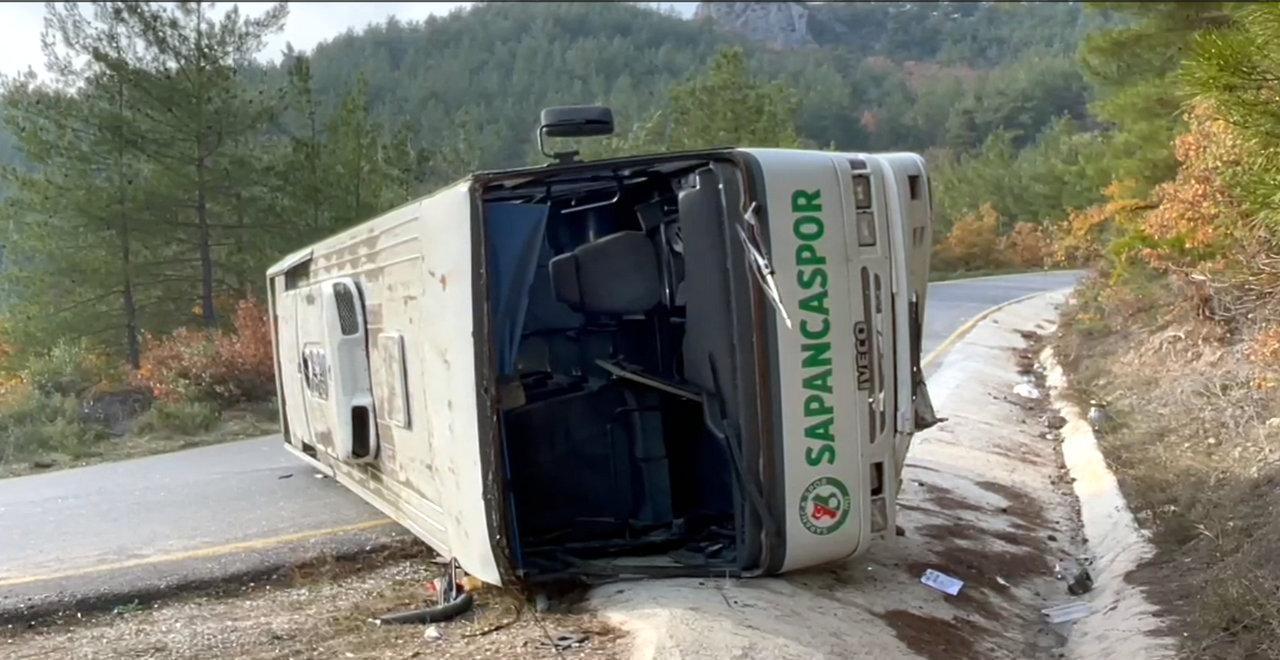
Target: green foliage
487 72
752 113
340 169
179 417
73 213
163 170
70 368
1018 100
1237 71
33 424
747 112
1134 72
1060 172
201 124
973 34
540 54
144 170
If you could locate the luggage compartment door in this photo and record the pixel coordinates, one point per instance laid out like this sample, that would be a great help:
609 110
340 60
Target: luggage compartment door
292 390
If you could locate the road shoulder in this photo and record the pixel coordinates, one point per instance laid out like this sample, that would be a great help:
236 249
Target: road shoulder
143 582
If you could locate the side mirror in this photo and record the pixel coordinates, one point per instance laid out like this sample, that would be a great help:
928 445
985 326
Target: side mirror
573 121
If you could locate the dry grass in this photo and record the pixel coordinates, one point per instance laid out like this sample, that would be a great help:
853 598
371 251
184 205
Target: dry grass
1196 447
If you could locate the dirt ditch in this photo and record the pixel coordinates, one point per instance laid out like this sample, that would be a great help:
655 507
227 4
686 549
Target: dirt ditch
1192 433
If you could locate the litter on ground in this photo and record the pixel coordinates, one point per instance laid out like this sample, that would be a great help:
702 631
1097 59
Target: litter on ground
942 582
1066 612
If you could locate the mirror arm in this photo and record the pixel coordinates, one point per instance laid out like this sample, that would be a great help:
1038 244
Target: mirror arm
558 157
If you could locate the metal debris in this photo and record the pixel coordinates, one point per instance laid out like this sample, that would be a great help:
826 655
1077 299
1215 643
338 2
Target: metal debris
568 640
1071 611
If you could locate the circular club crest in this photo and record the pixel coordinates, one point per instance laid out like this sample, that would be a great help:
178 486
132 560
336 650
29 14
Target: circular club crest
824 506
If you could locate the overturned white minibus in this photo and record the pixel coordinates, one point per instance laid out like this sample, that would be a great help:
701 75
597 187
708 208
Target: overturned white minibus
687 363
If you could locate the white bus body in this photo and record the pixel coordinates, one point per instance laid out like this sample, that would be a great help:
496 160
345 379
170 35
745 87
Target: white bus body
690 363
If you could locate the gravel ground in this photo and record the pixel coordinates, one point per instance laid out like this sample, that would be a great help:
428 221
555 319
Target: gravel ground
321 611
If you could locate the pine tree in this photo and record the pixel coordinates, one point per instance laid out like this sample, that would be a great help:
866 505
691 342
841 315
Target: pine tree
200 123
76 207
355 149
1235 72
302 175
1134 72
725 106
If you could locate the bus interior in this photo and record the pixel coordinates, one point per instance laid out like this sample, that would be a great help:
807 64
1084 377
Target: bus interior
620 365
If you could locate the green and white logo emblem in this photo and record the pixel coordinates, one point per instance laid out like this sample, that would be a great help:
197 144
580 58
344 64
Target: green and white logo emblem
824 506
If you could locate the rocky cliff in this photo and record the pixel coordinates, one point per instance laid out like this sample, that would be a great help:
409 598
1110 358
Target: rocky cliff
782 25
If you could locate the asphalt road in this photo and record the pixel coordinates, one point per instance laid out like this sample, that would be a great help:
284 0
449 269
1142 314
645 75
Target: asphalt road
141 527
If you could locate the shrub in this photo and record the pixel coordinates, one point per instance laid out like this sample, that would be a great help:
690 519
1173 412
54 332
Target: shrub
180 366
68 369
1265 347
180 417
1087 235
246 357
214 366
1026 246
1197 229
34 422
973 244
1198 216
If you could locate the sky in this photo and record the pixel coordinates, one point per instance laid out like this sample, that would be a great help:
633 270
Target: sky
309 23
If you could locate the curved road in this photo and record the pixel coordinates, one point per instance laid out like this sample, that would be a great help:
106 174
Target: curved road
140 527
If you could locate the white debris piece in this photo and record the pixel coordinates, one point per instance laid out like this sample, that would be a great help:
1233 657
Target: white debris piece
1026 391
942 582
1076 609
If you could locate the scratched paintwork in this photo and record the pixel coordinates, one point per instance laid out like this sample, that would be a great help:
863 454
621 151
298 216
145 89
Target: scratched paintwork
413 266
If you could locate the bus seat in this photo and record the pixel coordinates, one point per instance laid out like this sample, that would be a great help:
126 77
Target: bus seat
617 274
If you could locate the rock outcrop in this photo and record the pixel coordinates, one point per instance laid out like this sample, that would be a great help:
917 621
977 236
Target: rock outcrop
782 25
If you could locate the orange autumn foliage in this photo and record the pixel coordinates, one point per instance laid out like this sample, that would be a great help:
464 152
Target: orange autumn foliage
1265 347
1200 232
213 365
1082 237
1197 217
972 244
975 243
1026 246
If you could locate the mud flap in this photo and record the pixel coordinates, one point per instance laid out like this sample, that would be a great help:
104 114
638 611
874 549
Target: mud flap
921 404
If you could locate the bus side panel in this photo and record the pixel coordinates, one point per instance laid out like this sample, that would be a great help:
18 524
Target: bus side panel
911 239
825 511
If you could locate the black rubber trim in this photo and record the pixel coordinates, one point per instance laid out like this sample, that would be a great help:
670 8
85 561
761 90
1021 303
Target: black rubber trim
488 420
434 614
